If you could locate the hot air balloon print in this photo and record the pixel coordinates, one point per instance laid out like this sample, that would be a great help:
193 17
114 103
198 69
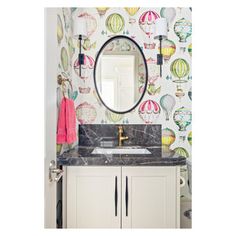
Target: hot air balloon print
149 111
190 49
86 113
180 68
86 68
190 137
115 23
91 23
64 59
183 29
180 151
168 137
182 118
167 103
113 117
168 49
102 10
60 31
147 22
169 13
132 11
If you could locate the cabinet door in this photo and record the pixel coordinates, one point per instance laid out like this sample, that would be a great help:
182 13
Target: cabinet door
93 197
150 197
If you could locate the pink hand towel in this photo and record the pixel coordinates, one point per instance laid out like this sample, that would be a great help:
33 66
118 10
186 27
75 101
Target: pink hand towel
66 127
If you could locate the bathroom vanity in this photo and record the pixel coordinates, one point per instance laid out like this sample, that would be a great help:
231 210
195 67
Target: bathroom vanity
131 186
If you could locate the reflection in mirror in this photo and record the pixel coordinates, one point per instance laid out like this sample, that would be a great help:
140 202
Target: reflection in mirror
120 74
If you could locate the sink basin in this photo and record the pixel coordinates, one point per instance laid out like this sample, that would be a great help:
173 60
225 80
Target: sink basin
120 151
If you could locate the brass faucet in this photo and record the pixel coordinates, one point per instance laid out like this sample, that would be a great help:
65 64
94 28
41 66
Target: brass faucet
120 137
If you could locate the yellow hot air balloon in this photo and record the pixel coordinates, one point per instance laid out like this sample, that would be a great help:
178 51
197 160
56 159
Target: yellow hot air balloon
132 10
102 10
168 49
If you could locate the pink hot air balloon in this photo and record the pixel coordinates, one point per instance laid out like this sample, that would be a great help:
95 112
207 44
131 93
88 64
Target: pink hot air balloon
147 22
149 111
86 68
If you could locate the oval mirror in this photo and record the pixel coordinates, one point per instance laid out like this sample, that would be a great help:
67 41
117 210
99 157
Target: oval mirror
120 74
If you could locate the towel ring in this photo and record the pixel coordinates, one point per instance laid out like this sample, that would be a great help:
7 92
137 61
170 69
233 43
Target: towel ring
62 81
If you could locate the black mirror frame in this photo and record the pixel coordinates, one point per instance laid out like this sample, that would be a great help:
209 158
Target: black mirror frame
146 77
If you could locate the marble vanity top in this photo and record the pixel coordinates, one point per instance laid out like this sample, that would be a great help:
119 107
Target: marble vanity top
82 156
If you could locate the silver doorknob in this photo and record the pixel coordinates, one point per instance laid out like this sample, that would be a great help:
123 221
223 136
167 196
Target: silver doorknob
54 171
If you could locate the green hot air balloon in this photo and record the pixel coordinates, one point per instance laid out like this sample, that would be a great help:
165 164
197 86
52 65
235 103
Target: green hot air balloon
115 23
179 68
180 151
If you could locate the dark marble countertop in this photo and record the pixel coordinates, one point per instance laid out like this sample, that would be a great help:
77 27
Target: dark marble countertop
81 156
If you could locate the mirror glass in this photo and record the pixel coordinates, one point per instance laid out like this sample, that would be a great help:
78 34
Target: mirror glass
120 74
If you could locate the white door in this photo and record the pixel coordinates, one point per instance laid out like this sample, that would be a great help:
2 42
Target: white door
93 197
50 116
150 197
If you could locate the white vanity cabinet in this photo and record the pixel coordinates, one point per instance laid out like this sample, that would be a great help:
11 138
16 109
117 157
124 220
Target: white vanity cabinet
122 197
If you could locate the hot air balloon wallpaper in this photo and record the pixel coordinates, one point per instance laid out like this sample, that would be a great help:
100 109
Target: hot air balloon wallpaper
169 13
115 23
86 68
102 10
167 103
132 11
149 111
147 23
183 29
85 113
180 69
64 59
113 117
168 49
91 23
60 31
190 137
180 151
168 138
182 118
190 49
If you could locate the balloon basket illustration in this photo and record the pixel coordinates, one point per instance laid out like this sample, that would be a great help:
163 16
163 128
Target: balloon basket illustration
179 92
182 118
183 29
167 103
149 111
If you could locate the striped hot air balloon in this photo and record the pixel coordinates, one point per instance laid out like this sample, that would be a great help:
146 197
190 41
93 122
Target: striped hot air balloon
113 117
190 49
115 23
183 29
102 10
168 137
86 68
147 22
60 32
91 23
179 68
182 118
168 49
169 13
181 152
132 10
149 111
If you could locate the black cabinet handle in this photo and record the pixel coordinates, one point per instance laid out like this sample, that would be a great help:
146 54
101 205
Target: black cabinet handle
126 196
116 196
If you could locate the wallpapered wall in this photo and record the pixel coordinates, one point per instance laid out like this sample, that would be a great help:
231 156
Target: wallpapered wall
172 93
